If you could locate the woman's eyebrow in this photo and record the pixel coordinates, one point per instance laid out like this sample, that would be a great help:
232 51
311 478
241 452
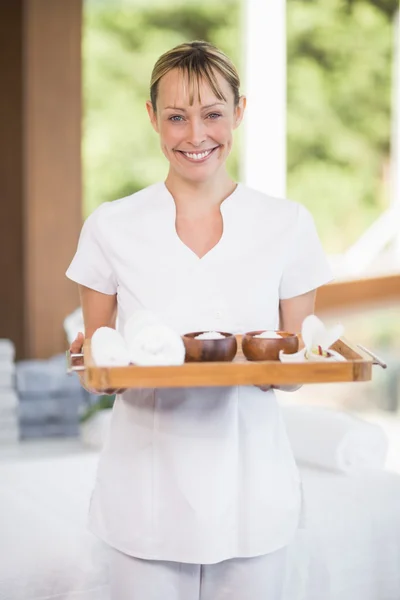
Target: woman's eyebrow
202 108
212 105
174 108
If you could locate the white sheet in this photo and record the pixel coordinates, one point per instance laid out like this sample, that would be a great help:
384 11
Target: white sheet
354 525
47 554
334 440
45 551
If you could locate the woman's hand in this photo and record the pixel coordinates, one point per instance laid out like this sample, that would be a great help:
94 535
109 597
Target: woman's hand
282 388
77 348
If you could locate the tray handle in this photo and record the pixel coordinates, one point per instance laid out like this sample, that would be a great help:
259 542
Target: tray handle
71 367
376 359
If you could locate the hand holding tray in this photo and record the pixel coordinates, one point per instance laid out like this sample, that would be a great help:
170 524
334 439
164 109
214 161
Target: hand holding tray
357 366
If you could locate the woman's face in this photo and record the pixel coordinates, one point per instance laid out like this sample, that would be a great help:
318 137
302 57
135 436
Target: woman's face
196 139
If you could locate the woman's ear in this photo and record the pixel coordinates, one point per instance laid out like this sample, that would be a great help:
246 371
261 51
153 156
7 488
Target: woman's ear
152 115
239 111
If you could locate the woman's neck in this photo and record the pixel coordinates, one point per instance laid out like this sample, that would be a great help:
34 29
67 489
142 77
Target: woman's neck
197 198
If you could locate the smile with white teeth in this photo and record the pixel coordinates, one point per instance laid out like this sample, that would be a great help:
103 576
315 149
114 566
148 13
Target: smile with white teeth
198 155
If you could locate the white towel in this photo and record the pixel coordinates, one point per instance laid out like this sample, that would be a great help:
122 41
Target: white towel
334 440
11 435
156 345
8 400
9 423
7 375
109 348
7 351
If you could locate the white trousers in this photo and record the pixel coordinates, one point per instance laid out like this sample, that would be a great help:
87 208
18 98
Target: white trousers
259 578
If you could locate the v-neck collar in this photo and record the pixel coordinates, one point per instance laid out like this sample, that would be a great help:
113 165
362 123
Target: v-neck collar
225 207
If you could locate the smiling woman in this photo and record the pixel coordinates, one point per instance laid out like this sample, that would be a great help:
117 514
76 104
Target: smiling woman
197 491
195 106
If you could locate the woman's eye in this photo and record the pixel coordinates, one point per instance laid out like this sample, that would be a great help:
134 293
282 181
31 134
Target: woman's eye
176 118
214 115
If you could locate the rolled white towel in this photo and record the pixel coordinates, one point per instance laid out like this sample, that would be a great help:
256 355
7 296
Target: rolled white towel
141 318
334 440
156 345
109 348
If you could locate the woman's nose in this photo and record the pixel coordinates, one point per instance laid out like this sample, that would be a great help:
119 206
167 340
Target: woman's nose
197 133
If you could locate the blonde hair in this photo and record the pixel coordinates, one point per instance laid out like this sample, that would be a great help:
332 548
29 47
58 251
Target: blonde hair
197 60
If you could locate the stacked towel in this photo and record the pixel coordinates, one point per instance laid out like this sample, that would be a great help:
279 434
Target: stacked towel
334 440
9 431
50 401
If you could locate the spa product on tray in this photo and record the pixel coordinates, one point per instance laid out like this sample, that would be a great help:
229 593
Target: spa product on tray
266 345
269 335
318 340
109 348
147 341
210 335
156 345
209 346
150 342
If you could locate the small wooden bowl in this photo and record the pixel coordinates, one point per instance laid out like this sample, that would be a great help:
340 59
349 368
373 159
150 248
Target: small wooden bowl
223 349
268 348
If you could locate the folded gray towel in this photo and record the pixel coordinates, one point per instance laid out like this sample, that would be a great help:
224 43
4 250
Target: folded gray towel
37 409
45 376
49 430
77 397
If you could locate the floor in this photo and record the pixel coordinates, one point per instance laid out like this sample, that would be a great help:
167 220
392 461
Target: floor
75 570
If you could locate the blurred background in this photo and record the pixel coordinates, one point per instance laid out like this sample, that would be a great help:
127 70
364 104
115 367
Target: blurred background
339 100
322 128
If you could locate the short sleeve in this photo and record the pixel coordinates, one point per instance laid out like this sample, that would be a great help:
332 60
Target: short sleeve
91 266
306 267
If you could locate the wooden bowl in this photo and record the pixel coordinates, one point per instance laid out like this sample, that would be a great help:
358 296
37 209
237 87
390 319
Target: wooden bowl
223 349
268 348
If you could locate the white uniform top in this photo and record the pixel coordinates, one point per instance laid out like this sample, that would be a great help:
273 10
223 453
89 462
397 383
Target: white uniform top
198 475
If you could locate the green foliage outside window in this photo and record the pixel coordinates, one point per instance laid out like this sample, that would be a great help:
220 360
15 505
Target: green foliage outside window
339 92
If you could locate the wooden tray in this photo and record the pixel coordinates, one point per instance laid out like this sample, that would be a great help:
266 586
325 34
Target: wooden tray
357 367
